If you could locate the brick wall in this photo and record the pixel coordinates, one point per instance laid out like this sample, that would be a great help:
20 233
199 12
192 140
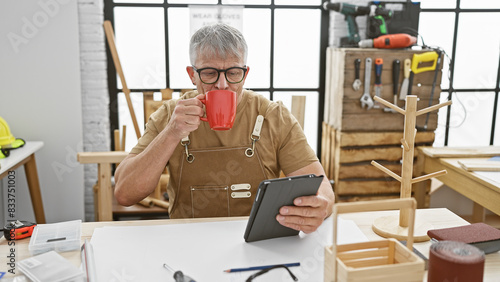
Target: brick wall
95 96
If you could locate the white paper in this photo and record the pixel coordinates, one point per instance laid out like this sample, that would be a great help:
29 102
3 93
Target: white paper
204 250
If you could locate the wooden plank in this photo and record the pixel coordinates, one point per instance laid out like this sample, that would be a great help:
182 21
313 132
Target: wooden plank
337 89
366 170
423 92
382 122
479 165
381 138
354 106
461 152
299 108
328 85
357 198
352 155
101 157
362 187
368 187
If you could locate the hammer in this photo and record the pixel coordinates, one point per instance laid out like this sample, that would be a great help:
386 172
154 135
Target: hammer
396 68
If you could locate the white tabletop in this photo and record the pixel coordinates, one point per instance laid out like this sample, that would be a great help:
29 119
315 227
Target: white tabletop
17 155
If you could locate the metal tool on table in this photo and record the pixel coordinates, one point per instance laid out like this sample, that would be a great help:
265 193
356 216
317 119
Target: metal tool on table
396 69
178 275
379 63
16 230
421 63
404 85
366 99
356 85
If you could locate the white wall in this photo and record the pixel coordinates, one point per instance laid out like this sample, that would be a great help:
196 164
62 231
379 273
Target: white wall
41 99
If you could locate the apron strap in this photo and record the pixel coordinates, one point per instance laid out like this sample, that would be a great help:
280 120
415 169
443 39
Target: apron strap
255 136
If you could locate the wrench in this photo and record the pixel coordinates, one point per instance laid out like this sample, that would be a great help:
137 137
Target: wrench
356 85
366 99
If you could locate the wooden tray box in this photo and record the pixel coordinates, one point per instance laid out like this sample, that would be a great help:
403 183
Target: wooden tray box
383 260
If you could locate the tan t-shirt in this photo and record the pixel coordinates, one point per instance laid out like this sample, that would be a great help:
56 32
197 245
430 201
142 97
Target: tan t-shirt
282 145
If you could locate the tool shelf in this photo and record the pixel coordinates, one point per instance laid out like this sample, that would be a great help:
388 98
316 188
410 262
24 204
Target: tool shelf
352 136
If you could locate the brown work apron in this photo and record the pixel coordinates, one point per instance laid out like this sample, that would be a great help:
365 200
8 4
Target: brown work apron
218 182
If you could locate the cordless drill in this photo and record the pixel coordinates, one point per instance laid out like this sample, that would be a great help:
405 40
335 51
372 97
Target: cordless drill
376 20
350 12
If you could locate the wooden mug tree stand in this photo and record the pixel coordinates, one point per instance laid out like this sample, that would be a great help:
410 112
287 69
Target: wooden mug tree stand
390 226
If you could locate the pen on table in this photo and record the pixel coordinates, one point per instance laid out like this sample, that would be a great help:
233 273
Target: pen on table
261 267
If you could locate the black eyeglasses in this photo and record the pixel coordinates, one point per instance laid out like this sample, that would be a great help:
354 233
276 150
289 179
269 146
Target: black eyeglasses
263 271
211 75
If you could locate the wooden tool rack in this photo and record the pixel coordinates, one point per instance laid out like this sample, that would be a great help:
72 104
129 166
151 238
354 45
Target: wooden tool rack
354 136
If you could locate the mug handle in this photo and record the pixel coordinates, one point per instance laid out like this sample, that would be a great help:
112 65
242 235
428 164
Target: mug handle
204 101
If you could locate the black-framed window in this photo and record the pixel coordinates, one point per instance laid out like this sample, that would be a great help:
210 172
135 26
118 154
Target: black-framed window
467 31
287 45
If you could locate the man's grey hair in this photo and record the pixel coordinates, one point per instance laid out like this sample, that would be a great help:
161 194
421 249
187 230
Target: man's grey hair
218 40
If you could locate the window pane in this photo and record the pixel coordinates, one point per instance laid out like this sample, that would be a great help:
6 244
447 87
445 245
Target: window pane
298 2
124 117
296 53
311 110
479 4
442 37
441 127
257 32
192 1
140 41
428 4
247 2
139 1
470 121
178 48
477 50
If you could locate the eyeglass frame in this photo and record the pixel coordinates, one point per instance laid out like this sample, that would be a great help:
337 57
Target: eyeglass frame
244 69
265 270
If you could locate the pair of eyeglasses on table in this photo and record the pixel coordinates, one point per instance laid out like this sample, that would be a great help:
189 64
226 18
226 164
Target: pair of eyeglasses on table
264 271
180 277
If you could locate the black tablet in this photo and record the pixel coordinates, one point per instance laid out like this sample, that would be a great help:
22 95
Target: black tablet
271 196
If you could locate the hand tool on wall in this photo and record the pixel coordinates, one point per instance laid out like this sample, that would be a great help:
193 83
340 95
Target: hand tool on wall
366 99
436 71
421 63
376 25
356 85
178 275
379 63
404 85
396 69
389 41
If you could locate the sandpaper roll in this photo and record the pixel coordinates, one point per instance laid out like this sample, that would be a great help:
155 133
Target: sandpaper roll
455 261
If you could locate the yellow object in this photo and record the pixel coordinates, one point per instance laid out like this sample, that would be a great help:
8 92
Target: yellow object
424 58
6 137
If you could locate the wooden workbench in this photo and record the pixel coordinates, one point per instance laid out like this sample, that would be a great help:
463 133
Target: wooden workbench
484 192
439 218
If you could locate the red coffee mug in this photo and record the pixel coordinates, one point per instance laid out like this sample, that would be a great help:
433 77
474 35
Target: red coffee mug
220 108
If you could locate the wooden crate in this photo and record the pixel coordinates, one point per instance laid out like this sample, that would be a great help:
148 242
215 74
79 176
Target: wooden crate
383 260
342 103
347 157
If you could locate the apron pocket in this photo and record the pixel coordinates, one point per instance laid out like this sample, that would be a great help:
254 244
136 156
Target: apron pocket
209 201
